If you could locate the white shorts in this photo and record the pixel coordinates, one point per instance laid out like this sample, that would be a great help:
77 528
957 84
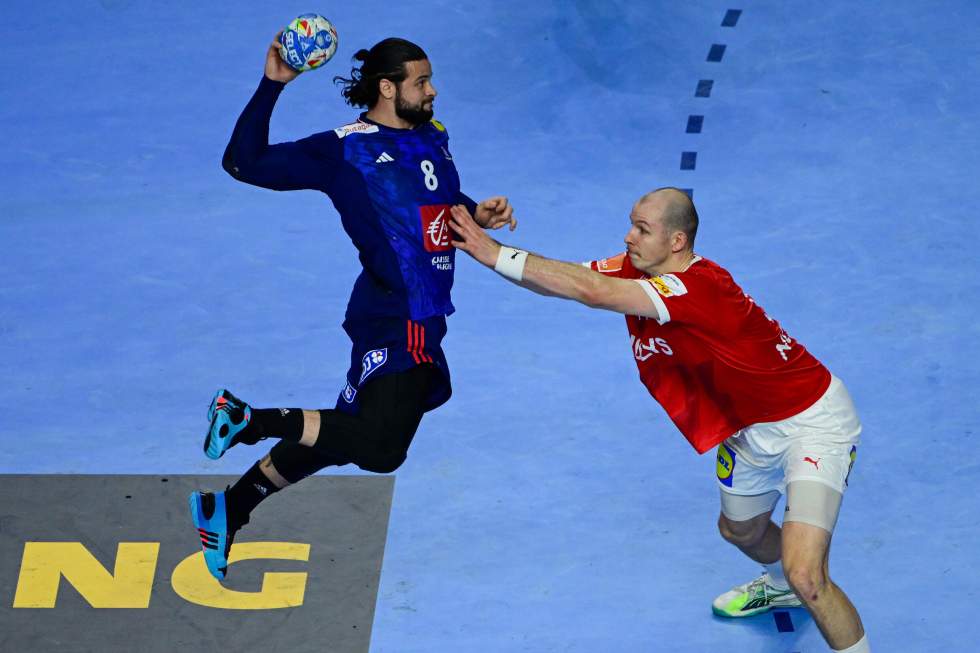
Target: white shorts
819 444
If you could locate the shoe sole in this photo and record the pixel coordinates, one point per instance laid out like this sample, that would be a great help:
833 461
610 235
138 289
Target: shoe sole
213 414
755 611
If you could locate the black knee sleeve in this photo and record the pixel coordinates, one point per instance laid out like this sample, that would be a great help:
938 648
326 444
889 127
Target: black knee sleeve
294 462
377 440
384 446
384 461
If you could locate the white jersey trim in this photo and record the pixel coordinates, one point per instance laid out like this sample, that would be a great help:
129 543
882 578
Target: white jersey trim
356 128
663 315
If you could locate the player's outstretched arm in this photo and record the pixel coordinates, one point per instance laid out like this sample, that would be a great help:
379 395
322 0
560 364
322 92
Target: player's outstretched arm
547 276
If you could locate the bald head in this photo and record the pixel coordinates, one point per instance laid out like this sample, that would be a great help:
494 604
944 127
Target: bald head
676 210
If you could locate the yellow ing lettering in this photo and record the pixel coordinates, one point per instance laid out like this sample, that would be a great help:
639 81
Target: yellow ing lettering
192 582
44 563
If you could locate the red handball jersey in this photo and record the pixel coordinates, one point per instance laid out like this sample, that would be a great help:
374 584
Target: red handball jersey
715 361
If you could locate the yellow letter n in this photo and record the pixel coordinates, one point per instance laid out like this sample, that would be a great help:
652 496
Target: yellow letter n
44 563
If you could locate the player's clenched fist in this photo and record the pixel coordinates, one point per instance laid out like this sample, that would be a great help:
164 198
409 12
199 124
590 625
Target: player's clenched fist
494 213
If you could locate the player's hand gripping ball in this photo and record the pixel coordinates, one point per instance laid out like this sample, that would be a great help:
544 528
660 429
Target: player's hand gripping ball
308 42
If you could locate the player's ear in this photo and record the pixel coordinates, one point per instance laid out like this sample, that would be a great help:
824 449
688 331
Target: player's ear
678 241
387 89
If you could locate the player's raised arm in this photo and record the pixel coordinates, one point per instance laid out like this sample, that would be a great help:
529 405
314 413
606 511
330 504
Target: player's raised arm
548 276
250 158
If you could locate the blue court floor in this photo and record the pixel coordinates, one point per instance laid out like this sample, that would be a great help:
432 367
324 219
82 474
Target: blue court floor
550 506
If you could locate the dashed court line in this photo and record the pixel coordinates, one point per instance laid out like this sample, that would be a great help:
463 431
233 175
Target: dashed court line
784 623
716 52
695 122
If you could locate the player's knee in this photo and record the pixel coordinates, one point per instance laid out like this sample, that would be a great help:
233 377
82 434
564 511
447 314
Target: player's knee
808 581
384 461
741 534
288 463
384 446
384 455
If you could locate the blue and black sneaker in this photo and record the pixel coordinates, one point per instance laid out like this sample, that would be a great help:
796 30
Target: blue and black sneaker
211 521
228 416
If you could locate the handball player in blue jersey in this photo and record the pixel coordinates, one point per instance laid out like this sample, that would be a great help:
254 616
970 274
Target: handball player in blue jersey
391 177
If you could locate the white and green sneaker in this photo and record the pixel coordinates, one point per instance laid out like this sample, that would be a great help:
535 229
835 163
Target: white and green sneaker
754 598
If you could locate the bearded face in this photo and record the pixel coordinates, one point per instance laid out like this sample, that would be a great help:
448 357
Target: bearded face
416 112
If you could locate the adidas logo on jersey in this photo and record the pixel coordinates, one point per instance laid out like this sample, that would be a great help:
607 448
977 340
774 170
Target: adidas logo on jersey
384 158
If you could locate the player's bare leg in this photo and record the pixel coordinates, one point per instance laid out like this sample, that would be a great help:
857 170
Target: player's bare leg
311 428
758 538
806 550
269 470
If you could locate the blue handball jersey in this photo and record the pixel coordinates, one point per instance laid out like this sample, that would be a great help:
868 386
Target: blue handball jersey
392 188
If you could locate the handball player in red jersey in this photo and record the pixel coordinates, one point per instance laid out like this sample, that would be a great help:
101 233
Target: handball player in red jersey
729 377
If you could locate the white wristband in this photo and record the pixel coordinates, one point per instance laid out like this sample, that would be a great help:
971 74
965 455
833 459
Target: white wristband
510 263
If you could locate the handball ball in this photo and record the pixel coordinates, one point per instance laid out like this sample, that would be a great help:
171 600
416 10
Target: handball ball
308 42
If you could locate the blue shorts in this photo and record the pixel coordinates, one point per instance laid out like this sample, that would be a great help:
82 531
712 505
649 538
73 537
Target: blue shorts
391 345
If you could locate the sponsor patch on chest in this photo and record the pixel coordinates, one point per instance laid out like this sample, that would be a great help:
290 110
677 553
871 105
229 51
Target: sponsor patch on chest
668 285
435 227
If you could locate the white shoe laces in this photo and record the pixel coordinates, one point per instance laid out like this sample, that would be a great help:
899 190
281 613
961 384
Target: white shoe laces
754 585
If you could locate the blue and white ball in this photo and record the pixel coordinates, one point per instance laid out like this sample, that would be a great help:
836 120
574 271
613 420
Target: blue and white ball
308 42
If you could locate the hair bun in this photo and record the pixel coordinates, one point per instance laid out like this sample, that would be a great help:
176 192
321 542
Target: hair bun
362 55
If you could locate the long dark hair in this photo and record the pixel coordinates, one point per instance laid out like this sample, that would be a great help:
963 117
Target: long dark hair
386 60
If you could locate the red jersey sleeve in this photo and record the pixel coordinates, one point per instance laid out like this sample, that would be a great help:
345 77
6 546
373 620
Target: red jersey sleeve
684 297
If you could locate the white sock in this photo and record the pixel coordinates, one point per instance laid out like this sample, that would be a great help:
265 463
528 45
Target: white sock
860 647
776 577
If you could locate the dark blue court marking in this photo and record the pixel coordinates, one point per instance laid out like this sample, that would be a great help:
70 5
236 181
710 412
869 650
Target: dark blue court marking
731 17
716 52
689 161
783 622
